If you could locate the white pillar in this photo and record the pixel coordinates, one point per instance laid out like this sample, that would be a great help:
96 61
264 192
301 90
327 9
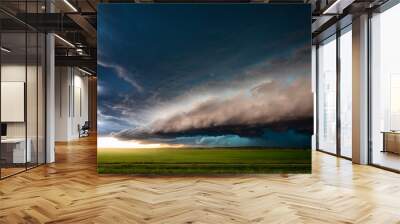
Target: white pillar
314 91
50 99
360 90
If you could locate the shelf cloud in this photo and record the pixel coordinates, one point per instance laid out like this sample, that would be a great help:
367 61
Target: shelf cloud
261 106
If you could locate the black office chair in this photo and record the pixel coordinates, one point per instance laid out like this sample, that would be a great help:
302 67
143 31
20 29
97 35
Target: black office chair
84 130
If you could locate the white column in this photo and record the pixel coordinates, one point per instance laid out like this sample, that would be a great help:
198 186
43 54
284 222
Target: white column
360 90
314 91
50 92
50 99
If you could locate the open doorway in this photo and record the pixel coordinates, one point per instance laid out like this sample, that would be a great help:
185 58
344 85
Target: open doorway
75 104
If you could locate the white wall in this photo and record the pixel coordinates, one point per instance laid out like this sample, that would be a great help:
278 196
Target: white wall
80 110
33 126
71 102
17 73
62 81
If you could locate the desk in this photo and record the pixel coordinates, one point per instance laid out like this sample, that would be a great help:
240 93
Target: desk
15 148
391 141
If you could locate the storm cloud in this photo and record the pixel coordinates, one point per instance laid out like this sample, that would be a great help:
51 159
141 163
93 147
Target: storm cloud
249 110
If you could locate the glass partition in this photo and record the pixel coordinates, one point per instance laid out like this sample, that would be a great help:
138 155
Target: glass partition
22 88
346 92
14 153
327 95
385 89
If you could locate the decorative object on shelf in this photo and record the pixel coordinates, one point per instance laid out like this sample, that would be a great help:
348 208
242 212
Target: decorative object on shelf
391 141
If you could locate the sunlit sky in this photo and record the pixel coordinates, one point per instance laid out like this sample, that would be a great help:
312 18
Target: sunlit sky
211 75
111 142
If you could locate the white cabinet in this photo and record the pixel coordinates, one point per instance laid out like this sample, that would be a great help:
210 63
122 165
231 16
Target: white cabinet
19 155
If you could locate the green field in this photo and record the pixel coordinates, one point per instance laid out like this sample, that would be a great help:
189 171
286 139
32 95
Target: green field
203 161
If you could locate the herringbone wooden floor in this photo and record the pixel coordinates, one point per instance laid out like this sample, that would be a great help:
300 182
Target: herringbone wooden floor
71 191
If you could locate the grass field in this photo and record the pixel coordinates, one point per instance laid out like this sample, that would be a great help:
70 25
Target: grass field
203 161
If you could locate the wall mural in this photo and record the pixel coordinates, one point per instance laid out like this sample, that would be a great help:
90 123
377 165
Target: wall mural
204 88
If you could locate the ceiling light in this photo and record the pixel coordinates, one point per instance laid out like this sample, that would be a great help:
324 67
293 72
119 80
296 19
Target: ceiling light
327 11
65 41
5 50
337 7
84 71
79 51
70 5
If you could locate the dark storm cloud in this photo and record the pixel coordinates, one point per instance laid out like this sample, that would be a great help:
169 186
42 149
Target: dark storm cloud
245 131
268 104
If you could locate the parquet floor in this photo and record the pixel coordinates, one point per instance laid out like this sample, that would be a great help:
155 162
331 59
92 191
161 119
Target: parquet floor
70 191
